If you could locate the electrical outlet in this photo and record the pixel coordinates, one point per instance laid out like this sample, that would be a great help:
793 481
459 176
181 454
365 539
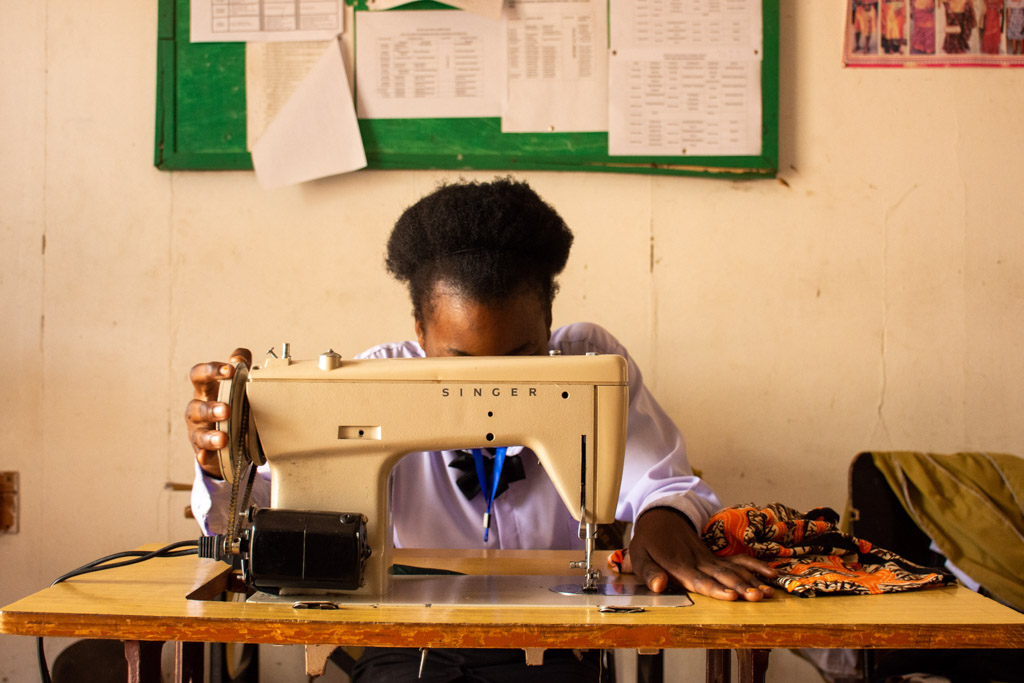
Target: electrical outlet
8 502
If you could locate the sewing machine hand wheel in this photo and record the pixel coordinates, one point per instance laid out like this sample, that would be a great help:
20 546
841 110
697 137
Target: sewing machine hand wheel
243 445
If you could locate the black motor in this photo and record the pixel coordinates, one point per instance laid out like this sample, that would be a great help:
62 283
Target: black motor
299 549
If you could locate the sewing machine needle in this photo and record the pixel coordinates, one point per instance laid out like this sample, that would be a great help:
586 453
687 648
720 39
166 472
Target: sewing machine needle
423 661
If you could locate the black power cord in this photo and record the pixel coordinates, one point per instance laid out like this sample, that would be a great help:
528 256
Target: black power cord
136 556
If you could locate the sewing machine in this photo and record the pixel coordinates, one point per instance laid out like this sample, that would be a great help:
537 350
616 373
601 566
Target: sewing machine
332 430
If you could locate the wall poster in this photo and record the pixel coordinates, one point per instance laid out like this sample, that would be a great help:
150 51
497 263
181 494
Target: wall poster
934 33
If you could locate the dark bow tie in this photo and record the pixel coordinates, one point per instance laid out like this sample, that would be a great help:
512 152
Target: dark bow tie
469 483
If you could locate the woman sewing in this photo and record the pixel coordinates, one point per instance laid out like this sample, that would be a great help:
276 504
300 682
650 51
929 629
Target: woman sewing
480 261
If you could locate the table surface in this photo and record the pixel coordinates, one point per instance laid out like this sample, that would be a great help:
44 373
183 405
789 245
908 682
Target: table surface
149 602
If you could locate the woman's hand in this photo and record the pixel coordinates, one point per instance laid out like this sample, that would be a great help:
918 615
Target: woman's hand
204 411
666 548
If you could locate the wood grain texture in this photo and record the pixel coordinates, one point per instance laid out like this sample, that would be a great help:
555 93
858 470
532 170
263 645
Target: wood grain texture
148 602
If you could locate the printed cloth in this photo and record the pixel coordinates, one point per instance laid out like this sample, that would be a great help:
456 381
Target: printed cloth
811 555
958 30
1015 20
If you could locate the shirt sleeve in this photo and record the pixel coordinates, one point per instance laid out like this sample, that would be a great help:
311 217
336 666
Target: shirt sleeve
656 472
211 498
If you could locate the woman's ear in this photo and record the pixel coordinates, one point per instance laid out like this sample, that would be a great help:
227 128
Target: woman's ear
420 336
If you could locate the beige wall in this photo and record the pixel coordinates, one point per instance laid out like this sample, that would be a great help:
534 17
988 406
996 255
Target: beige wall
873 300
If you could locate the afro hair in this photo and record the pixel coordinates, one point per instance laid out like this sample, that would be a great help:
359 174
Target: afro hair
488 241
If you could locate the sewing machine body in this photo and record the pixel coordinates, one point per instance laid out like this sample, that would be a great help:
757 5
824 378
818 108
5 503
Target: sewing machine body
332 432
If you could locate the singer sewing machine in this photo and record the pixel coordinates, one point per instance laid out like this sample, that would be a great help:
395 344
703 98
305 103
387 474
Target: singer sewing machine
332 430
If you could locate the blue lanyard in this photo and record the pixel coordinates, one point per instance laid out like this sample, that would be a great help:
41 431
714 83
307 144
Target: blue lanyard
488 491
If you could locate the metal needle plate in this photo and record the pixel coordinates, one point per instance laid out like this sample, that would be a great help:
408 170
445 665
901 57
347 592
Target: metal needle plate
491 591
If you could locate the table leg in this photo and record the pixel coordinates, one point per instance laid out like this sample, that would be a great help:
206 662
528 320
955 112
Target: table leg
719 666
188 662
316 658
650 668
753 664
143 660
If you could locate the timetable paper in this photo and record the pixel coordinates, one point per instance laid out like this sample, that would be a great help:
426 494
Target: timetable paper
264 20
485 8
685 78
315 134
272 73
691 25
557 66
683 104
428 64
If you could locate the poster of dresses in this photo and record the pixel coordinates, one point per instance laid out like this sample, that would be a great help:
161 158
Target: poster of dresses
934 33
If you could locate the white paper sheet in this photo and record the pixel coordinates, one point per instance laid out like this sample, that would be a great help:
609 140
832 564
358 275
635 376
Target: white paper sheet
557 66
272 73
693 25
485 8
315 134
428 64
683 104
265 20
685 78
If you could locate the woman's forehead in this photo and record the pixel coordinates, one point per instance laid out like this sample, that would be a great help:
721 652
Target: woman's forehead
459 325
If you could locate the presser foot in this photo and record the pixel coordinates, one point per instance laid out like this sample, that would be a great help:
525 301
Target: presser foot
591 577
591 580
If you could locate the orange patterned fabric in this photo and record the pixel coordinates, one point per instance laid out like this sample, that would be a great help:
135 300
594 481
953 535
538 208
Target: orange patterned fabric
811 554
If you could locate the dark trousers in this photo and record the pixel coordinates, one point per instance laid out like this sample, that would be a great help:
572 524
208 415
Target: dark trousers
385 665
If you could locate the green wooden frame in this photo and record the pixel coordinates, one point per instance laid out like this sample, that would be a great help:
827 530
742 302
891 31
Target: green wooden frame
201 121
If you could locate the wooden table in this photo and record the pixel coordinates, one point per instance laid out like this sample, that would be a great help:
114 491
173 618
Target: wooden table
150 602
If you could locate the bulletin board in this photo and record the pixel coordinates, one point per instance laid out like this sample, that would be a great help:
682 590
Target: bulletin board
201 121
